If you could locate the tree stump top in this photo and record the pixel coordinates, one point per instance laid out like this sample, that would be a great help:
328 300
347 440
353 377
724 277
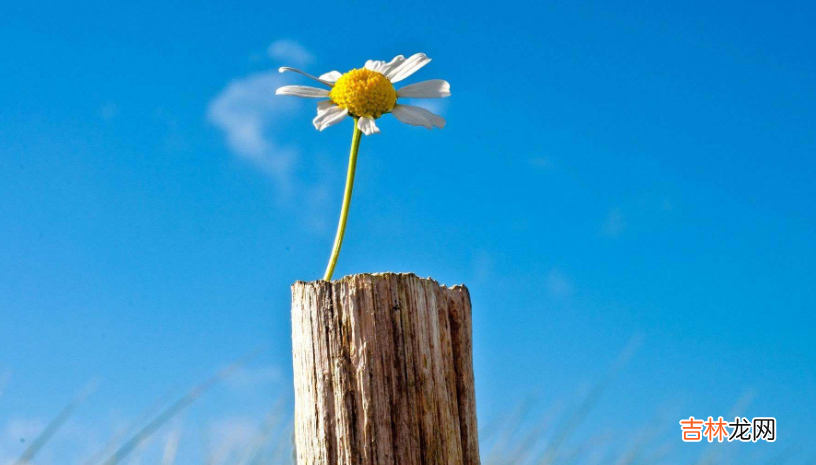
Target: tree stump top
384 274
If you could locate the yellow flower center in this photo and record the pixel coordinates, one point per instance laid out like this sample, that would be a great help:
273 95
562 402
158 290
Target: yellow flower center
364 93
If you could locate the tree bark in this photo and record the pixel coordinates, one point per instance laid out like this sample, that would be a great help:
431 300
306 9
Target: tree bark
383 367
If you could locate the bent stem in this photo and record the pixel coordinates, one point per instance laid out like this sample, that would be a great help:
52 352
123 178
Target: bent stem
341 227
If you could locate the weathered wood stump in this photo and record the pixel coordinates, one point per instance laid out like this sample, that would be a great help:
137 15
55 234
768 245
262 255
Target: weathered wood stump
383 371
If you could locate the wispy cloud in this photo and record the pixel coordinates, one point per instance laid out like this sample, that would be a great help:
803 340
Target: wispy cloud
289 51
73 442
246 111
14 435
252 119
21 430
228 436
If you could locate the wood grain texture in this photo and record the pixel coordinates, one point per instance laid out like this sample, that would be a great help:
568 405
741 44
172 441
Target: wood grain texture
383 367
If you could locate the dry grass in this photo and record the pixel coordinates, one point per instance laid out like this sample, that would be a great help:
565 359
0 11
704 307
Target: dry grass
526 436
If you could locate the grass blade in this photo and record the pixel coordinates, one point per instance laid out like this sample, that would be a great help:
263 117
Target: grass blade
174 409
42 439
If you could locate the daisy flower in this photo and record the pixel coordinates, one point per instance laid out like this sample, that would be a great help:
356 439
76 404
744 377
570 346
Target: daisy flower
365 94
368 93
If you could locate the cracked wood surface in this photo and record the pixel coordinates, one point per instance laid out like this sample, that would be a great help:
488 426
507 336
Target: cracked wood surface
383 369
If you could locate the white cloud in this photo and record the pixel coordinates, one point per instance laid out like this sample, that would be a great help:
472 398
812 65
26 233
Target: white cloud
84 439
289 52
252 119
237 439
615 224
16 434
227 436
22 429
557 284
72 442
246 110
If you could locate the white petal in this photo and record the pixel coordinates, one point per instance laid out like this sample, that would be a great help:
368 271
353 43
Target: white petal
435 88
392 65
367 125
383 67
416 116
328 114
407 67
302 91
284 69
324 105
331 76
374 65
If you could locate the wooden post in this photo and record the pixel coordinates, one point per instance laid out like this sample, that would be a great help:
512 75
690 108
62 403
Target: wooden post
383 370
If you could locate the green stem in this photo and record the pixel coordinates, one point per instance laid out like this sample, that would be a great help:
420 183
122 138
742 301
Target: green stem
341 227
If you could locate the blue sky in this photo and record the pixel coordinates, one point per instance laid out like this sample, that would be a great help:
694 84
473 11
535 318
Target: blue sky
609 171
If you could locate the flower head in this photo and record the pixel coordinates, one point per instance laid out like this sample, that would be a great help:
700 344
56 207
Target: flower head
368 93
364 92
